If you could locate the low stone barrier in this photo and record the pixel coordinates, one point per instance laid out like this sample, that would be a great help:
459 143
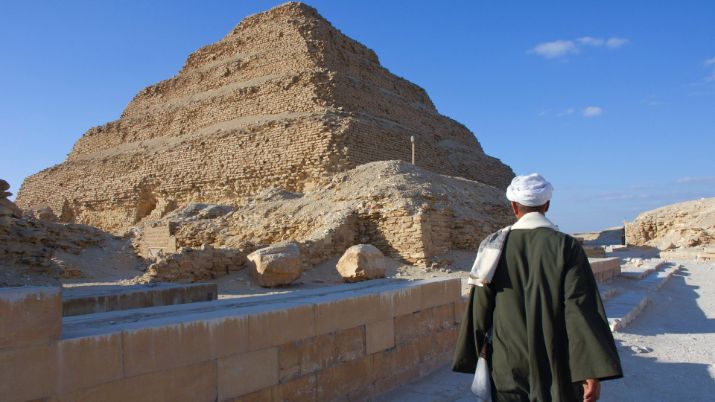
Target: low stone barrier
605 269
100 299
351 341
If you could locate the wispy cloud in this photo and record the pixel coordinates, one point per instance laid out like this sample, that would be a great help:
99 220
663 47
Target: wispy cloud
555 49
696 180
563 47
566 112
591 111
710 63
616 42
588 111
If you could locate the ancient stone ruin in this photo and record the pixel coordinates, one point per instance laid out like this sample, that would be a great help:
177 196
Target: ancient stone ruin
35 251
686 225
408 213
284 101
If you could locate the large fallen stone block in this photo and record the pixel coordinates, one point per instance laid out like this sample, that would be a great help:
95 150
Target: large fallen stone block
362 262
276 265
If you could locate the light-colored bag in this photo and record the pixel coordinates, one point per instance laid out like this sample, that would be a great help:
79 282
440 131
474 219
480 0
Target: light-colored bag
482 384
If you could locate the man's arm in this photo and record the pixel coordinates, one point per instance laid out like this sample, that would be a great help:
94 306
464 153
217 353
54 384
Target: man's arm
592 350
591 390
475 324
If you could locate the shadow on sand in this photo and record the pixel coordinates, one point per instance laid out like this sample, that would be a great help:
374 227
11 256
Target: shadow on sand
646 378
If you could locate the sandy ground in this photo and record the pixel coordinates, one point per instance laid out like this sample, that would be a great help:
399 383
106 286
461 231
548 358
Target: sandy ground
112 264
667 353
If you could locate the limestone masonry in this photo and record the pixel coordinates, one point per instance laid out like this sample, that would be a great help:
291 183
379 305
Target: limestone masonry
285 100
688 224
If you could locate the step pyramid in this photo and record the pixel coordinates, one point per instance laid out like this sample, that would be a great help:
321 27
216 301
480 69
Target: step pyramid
283 101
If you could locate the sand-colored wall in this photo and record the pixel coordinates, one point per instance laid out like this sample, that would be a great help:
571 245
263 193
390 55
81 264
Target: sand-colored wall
321 347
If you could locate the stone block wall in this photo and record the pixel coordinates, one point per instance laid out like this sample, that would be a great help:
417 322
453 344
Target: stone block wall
605 269
157 240
354 343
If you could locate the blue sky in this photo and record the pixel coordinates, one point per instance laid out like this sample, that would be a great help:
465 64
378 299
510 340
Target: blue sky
612 101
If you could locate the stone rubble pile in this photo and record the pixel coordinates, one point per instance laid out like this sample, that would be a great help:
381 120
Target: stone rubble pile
29 247
407 212
194 264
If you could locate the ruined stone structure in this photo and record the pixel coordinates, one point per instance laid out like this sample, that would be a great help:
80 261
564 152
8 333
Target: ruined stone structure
405 211
35 251
283 101
684 225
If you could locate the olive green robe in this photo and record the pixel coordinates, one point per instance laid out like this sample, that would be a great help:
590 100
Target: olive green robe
550 330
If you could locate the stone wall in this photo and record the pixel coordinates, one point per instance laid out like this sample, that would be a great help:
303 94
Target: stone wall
353 342
282 101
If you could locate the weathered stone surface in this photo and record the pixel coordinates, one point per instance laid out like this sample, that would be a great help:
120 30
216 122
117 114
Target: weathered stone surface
29 316
409 214
30 248
7 207
191 265
685 225
42 214
284 100
362 262
276 265
595 251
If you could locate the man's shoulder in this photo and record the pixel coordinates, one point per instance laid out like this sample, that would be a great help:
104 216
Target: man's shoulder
550 236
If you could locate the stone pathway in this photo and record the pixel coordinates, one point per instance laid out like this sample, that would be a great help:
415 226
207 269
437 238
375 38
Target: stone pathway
668 354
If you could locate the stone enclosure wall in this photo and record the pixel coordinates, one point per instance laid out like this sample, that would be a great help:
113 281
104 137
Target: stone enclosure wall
353 343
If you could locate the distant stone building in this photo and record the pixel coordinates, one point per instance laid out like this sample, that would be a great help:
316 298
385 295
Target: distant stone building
284 100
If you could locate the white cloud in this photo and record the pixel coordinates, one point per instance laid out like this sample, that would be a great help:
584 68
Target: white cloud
551 50
590 41
695 180
566 112
614 43
591 111
560 48
710 63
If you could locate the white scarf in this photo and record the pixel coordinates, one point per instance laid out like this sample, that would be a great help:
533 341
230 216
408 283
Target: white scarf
490 249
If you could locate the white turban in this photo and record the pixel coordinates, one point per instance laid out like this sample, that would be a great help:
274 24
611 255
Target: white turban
531 190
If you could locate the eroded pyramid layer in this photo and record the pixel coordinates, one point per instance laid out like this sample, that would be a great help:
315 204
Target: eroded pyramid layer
285 100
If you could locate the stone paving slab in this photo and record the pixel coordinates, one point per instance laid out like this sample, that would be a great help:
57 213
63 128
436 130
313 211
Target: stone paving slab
443 385
625 307
608 290
634 272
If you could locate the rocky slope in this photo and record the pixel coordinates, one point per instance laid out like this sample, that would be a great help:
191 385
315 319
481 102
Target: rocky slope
684 225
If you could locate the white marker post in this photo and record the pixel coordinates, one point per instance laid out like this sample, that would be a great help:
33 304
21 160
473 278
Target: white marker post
412 140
